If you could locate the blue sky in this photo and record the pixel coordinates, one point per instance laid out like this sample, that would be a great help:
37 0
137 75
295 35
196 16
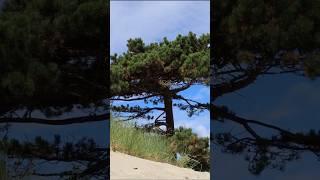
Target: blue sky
153 20
287 101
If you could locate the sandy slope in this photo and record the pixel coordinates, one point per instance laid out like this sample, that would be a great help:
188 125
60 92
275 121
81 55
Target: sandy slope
127 167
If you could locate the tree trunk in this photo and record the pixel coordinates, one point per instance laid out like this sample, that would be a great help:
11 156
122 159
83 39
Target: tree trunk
169 115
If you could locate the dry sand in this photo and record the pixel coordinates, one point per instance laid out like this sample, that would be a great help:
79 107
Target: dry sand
126 167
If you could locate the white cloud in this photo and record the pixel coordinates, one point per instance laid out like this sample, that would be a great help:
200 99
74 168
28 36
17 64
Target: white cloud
197 127
200 124
154 20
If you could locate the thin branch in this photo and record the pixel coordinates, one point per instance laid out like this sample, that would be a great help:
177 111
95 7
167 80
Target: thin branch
188 101
66 121
133 99
182 88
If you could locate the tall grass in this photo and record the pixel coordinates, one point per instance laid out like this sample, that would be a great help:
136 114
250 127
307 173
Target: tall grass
3 170
127 139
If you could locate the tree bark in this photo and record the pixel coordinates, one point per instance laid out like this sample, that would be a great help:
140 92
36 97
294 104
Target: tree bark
169 114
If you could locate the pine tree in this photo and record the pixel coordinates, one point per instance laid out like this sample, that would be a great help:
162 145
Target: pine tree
158 72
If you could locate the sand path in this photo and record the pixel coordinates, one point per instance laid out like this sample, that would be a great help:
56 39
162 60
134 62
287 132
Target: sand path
126 167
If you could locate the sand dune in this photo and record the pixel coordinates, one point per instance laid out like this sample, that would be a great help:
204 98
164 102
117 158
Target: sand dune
126 167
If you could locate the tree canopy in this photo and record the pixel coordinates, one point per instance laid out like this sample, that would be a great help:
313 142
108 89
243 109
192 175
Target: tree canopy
158 72
52 54
253 39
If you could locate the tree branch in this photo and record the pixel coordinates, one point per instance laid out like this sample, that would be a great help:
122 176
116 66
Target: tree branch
134 99
66 121
288 139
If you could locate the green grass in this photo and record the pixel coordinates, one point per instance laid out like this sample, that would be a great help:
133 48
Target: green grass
3 170
127 139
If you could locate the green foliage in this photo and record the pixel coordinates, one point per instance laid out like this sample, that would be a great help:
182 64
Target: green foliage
158 72
193 149
184 59
287 30
52 52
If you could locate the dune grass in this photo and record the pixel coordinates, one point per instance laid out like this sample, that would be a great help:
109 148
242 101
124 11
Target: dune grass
3 170
127 139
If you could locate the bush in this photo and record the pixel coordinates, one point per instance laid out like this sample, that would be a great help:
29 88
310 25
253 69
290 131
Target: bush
194 150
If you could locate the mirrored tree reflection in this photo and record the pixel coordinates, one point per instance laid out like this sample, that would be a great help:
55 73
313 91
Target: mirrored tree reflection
83 159
73 155
53 89
258 47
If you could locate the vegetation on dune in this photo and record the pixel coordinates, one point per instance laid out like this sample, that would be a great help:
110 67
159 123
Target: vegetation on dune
184 149
157 73
195 150
127 139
